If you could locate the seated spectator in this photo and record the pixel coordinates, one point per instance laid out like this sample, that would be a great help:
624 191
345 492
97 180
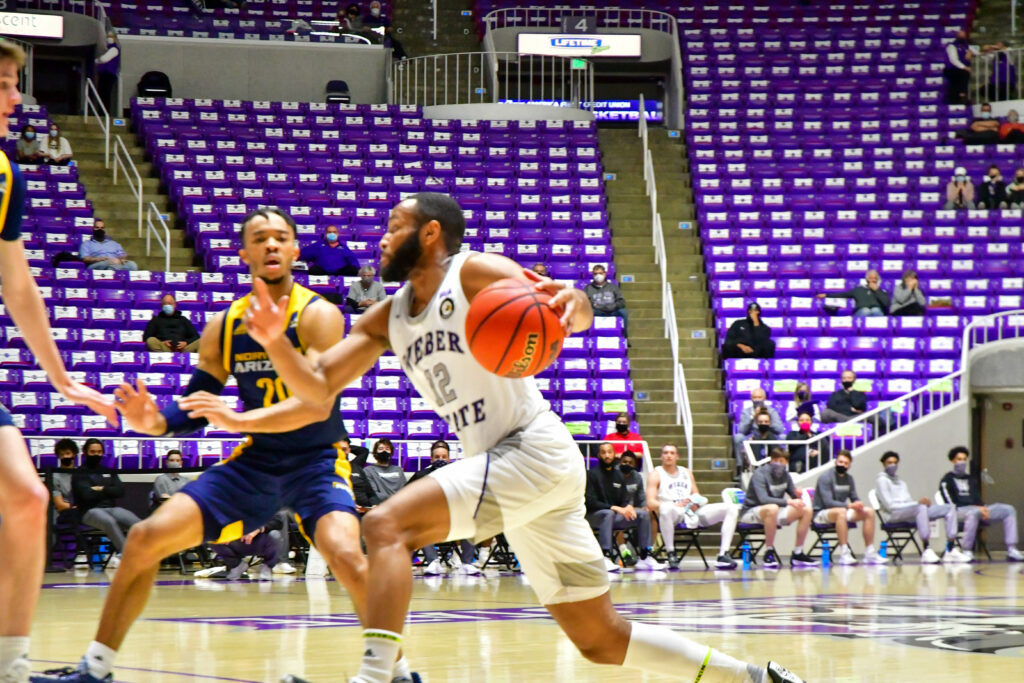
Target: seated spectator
364 293
846 403
440 455
331 256
540 269
606 297
100 252
170 330
992 193
64 510
1012 130
375 18
1015 190
801 403
357 456
623 437
609 509
763 431
634 480
95 491
868 298
166 485
959 191
802 458
958 69
984 128
672 494
907 297
959 488
263 543
747 427
765 503
56 148
836 502
383 478
350 21
749 337
29 149
895 500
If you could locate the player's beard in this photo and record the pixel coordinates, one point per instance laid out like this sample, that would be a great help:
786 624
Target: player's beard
403 261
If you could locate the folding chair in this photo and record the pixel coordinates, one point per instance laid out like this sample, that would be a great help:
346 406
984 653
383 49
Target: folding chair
501 554
823 532
897 534
746 533
691 537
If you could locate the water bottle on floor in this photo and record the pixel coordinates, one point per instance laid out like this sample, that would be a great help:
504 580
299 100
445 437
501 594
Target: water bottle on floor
883 548
746 556
826 555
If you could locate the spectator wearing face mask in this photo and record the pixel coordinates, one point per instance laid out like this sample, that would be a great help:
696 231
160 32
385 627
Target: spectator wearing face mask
440 455
959 488
366 292
102 253
958 69
869 299
383 477
606 298
170 330
331 256
959 191
29 149
623 438
747 428
1012 130
983 128
108 66
801 456
898 506
375 19
96 491
836 502
846 403
763 431
907 297
749 337
801 403
772 499
65 512
166 485
56 148
992 192
1015 190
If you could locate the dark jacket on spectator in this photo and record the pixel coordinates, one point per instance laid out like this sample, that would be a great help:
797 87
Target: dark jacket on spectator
960 489
635 493
605 488
606 298
174 327
798 452
843 401
757 337
864 297
359 489
86 498
992 194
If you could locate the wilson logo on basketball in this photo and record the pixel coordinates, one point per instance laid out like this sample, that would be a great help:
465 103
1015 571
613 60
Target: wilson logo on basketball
526 360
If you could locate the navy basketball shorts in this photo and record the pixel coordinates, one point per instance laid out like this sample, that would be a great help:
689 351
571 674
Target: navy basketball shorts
242 494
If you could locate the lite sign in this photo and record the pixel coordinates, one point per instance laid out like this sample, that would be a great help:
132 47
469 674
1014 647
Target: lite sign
31 25
579 44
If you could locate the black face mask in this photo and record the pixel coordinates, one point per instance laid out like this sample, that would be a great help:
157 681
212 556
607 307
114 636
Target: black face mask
847 385
67 462
622 427
93 461
840 469
764 428
99 234
626 469
384 457
802 395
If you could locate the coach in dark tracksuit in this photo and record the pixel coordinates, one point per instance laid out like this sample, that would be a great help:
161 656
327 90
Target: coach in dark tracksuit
608 504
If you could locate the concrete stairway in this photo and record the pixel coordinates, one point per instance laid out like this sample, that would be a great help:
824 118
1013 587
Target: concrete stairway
116 204
456 32
992 24
630 215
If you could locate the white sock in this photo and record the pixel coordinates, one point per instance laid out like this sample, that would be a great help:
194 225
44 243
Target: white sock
379 655
12 648
99 659
869 550
401 668
660 650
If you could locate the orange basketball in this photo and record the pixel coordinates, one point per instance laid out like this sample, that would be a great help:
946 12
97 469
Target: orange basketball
511 330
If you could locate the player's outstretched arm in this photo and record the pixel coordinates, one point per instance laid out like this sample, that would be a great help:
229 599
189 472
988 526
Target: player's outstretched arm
571 304
336 368
25 304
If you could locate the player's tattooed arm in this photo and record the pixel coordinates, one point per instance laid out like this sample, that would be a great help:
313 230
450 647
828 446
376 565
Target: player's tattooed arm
571 304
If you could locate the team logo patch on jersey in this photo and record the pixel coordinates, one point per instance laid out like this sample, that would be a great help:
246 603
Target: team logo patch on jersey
447 308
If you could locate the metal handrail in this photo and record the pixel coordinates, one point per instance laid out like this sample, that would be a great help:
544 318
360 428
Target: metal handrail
123 161
163 240
680 393
95 103
491 77
990 84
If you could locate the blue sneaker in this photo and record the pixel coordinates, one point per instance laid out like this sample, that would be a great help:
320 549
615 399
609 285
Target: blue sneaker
68 674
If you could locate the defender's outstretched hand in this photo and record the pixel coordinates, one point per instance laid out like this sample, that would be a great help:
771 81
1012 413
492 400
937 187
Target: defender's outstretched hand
91 399
203 404
265 319
138 409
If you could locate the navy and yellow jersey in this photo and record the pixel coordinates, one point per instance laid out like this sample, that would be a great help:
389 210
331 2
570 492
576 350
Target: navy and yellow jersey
259 385
12 199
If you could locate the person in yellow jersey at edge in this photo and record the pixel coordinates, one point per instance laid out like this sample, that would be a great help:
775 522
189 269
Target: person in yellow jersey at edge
291 457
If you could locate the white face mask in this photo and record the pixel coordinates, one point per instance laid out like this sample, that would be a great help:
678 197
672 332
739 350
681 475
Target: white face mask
598 278
961 178
375 11
986 114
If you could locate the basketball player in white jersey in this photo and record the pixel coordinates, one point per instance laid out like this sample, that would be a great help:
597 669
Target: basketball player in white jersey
528 477
671 490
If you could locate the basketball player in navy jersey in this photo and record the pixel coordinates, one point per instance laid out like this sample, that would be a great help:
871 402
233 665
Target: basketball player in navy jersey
23 498
528 479
291 457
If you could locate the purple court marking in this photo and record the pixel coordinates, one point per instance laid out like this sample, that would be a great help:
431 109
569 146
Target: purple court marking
155 671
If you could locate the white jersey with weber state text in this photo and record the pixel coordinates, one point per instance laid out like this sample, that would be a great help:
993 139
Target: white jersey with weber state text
674 489
481 407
